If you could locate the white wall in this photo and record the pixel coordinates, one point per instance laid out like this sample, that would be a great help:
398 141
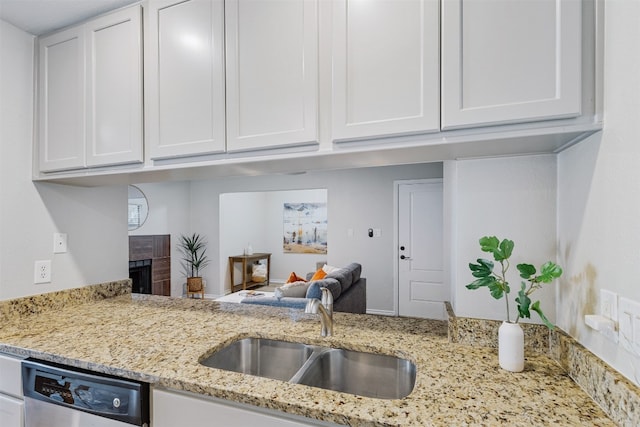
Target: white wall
599 197
511 198
256 219
359 199
30 213
169 213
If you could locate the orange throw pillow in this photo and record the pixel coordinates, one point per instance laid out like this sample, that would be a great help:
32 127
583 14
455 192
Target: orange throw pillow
293 277
318 275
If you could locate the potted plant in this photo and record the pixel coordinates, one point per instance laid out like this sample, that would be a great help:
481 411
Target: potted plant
194 259
510 335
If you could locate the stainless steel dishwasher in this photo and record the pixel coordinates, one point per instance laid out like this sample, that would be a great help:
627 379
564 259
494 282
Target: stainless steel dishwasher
59 396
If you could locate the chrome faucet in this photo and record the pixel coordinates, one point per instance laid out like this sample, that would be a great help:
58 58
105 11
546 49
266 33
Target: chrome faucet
326 311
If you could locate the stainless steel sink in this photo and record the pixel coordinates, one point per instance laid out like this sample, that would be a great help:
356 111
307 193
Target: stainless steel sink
279 360
362 374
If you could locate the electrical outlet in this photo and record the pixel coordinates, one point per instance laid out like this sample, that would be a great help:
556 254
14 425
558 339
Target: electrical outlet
609 305
629 325
42 271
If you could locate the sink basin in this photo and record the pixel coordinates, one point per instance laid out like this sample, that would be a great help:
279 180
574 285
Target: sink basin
278 360
362 374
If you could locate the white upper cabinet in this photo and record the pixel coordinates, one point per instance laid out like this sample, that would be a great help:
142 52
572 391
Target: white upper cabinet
61 89
385 67
506 61
184 77
90 94
114 82
272 73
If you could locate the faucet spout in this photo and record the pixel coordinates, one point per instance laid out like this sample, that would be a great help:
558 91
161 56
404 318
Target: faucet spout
326 311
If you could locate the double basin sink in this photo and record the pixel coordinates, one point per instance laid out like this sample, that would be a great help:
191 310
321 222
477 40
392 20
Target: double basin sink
362 374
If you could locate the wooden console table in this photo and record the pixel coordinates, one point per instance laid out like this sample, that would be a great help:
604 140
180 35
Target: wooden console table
248 260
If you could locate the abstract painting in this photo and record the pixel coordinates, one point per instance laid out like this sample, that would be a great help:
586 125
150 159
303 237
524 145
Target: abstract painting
305 228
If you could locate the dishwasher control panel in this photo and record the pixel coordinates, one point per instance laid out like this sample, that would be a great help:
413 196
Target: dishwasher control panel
105 396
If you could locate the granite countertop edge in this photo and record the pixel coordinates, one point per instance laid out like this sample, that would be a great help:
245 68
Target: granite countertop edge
163 339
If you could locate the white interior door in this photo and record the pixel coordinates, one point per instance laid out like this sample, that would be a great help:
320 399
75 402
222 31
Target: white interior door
421 292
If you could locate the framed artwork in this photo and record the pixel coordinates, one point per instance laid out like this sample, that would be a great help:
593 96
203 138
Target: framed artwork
305 228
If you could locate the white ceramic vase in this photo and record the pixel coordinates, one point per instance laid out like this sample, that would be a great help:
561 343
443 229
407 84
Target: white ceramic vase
511 347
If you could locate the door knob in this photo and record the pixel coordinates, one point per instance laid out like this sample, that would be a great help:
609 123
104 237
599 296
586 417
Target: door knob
404 257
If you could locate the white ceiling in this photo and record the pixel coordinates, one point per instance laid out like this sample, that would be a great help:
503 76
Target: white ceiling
44 16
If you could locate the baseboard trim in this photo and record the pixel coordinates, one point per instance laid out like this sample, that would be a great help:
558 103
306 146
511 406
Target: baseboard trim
381 312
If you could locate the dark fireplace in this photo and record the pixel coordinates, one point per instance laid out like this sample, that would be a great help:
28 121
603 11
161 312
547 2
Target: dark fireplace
140 274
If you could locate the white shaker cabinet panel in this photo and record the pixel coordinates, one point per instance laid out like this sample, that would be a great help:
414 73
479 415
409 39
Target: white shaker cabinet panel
11 403
61 121
174 408
507 61
184 77
272 73
11 411
114 98
385 67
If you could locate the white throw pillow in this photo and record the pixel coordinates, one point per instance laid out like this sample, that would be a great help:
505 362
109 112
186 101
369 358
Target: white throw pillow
293 290
329 269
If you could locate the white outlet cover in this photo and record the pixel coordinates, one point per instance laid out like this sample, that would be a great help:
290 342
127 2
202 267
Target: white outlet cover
628 317
42 271
59 243
609 304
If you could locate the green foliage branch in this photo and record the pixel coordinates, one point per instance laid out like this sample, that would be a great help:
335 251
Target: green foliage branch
496 282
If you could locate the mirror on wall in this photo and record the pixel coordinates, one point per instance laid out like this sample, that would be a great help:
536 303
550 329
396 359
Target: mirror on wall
138 208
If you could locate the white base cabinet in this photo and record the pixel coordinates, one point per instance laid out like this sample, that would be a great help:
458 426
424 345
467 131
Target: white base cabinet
11 411
11 397
175 408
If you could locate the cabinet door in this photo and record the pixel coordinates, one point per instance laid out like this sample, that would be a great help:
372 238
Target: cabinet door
114 82
171 409
184 77
11 412
61 97
11 375
272 73
385 67
510 61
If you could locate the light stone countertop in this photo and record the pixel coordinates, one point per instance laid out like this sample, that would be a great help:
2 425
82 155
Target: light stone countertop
160 340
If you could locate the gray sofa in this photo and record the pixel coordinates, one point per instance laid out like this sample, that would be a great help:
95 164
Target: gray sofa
348 288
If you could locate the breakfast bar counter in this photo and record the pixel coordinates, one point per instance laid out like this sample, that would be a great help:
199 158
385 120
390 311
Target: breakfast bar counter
160 340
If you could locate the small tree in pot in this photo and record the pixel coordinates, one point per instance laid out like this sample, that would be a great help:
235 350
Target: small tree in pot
194 259
499 287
